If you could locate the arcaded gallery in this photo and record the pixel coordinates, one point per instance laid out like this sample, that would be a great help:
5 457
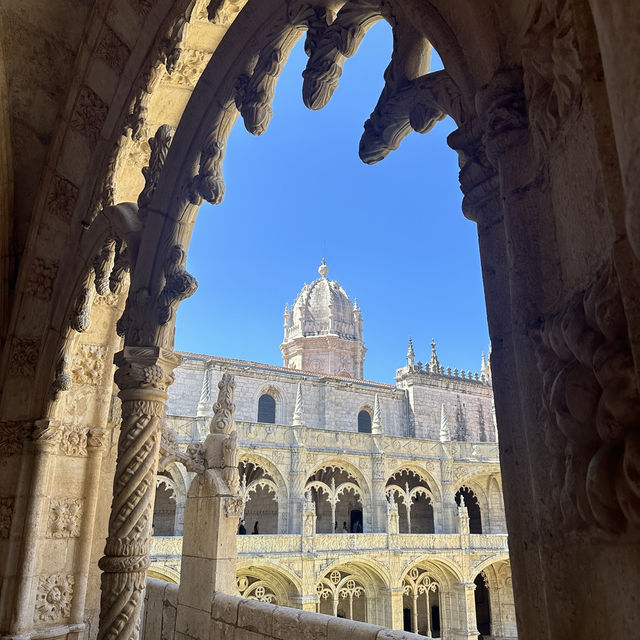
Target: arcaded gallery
148 492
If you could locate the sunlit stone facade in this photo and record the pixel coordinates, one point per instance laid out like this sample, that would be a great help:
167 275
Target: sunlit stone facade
351 489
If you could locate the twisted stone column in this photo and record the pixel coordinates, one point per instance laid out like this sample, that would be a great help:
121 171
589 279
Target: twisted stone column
143 376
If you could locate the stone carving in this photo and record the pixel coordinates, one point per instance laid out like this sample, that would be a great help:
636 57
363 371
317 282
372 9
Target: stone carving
102 265
143 376
24 357
89 114
590 405
88 364
6 515
552 68
65 515
502 112
112 50
208 184
62 198
179 284
159 145
189 69
81 314
298 411
233 507
254 93
41 278
11 437
73 441
53 598
223 12
62 378
170 46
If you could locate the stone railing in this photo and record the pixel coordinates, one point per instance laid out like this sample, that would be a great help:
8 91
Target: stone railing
235 618
351 542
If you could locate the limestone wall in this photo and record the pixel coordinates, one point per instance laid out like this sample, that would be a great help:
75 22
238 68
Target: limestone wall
413 408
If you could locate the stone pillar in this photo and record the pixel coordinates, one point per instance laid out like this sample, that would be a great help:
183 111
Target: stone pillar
214 506
143 376
39 449
96 441
448 507
297 479
378 484
466 629
395 617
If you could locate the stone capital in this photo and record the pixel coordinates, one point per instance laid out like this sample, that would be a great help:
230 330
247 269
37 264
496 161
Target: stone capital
145 368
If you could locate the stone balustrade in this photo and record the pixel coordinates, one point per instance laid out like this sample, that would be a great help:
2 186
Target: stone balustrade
162 547
236 618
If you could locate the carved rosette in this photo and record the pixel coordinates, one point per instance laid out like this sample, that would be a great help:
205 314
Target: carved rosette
53 599
143 376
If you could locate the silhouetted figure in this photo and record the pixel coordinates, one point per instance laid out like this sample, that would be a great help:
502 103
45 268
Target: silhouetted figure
255 529
242 530
357 527
345 529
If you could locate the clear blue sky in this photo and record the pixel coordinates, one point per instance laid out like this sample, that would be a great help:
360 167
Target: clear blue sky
393 234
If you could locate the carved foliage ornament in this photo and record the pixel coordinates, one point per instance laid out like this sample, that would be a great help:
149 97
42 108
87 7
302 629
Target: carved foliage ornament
590 408
64 518
553 71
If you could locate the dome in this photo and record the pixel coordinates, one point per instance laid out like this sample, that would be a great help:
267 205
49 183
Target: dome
324 308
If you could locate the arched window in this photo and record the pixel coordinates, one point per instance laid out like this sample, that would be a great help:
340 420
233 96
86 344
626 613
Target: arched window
267 409
364 421
473 508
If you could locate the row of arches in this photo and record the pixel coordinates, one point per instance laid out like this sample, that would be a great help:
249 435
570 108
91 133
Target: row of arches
431 590
268 412
342 501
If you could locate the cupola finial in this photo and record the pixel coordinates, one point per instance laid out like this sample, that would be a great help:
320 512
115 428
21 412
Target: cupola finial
323 269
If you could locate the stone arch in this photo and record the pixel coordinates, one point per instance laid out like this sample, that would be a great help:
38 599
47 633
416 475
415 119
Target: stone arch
284 583
472 63
282 487
443 612
362 492
495 608
474 507
371 576
160 572
412 490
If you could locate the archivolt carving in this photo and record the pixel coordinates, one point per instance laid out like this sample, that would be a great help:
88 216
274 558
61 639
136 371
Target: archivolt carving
590 408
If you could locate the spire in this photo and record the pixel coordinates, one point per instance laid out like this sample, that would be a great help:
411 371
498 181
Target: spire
410 354
445 434
298 412
376 425
204 404
485 368
323 269
434 364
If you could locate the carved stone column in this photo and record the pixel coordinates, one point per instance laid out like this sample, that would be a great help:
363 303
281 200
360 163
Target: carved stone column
467 628
378 483
297 479
143 376
396 607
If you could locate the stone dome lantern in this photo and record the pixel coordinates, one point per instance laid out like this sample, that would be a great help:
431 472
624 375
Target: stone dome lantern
323 330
